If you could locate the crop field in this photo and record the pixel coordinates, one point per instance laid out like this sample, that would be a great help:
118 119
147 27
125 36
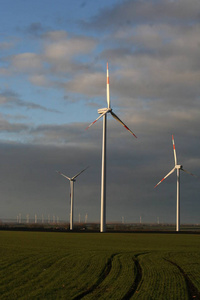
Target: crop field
39 265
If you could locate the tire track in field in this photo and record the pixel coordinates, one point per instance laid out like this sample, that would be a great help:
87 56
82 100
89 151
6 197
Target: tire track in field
193 292
105 272
138 277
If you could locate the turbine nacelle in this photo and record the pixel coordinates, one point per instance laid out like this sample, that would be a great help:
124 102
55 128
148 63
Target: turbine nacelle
180 167
104 110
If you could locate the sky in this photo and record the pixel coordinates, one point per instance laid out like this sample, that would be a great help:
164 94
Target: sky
53 57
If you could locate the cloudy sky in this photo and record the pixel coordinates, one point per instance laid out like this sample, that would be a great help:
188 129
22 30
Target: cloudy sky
53 57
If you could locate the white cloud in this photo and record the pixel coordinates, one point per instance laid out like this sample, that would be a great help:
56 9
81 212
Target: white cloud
56 35
66 49
26 62
39 80
5 45
60 56
89 84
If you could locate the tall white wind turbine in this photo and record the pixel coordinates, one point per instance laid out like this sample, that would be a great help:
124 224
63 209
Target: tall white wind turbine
72 180
178 168
103 113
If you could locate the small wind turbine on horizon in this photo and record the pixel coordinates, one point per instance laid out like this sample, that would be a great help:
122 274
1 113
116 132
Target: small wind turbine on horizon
103 113
178 168
72 180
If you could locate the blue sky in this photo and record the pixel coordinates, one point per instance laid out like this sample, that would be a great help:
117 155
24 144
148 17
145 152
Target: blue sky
53 57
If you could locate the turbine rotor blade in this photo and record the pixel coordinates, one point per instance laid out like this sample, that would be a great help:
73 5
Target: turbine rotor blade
120 121
189 172
108 88
63 175
165 177
97 119
79 173
175 159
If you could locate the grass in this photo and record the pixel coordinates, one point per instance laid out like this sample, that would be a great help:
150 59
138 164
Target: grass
38 265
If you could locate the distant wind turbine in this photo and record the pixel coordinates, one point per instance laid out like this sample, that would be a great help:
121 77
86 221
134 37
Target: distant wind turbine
103 113
72 180
178 168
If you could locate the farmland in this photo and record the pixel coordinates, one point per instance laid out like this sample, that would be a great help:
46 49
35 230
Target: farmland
39 265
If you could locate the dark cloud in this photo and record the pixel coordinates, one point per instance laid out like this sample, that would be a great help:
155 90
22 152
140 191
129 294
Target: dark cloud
83 4
12 99
8 127
30 184
128 13
35 29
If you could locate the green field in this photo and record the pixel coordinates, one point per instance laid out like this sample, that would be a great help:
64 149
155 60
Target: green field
37 265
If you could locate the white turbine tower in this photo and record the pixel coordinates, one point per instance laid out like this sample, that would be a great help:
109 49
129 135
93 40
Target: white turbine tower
178 168
72 180
103 113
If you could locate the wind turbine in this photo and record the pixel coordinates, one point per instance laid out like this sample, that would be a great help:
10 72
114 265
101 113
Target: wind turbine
72 180
103 113
178 168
